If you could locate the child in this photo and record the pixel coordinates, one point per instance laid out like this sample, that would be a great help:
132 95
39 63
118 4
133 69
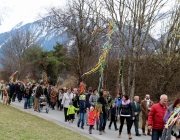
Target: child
71 112
113 116
91 119
82 110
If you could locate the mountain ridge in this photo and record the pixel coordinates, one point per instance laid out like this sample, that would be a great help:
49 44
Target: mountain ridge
45 37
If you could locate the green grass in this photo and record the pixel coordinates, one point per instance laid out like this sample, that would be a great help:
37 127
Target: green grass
19 125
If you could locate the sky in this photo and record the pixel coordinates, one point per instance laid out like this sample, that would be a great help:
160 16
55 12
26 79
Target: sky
15 11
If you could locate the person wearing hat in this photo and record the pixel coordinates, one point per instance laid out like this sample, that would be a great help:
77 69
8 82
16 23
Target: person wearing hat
82 111
71 112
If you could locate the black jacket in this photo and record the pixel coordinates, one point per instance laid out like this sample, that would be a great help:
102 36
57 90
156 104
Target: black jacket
87 100
39 91
27 93
126 110
102 101
113 111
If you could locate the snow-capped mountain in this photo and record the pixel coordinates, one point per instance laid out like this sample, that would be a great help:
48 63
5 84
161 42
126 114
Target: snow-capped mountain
45 37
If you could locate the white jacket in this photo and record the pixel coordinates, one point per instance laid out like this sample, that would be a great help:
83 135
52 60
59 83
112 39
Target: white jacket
66 99
61 95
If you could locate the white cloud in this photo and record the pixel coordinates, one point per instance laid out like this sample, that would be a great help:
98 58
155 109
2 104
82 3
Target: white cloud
15 11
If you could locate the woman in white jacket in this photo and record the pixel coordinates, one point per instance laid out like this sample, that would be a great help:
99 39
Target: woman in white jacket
68 96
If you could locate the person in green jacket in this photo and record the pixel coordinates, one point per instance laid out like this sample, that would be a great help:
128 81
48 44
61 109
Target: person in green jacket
71 112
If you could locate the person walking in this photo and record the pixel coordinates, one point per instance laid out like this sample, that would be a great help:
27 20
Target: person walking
91 119
82 111
75 99
172 127
39 92
60 97
113 116
118 101
11 91
145 108
27 95
93 101
93 98
71 112
20 91
53 96
136 109
68 96
126 112
155 118
105 103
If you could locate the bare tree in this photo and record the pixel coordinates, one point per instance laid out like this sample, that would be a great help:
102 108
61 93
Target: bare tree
82 26
134 20
13 50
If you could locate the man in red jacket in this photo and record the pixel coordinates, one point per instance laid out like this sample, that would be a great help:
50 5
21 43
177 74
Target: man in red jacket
155 118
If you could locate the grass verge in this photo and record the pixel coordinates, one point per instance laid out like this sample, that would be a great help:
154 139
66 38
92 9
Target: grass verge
19 125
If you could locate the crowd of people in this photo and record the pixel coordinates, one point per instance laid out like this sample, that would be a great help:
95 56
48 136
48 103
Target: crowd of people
94 109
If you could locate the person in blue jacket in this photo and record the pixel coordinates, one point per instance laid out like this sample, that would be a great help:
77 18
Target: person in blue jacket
83 105
118 101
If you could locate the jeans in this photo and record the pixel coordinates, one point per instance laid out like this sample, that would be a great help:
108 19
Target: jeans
156 134
26 102
102 123
53 104
81 119
19 95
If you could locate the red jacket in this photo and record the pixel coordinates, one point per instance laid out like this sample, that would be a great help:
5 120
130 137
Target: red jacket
156 115
91 118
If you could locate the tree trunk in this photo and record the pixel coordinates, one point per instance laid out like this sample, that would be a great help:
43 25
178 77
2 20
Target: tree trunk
133 83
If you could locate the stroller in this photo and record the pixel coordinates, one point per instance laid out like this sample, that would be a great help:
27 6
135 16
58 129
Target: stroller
43 103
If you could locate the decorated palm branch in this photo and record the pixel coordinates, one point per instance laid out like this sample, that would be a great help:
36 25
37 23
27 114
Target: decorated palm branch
102 59
11 78
97 110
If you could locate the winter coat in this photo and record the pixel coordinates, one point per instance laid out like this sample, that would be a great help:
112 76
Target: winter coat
39 91
126 109
66 99
144 107
53 96
21 89
117 101
113 111
75 100
93 99
91 119
71 110
61 94
11 89
27 93
106 103
156 115
82 106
